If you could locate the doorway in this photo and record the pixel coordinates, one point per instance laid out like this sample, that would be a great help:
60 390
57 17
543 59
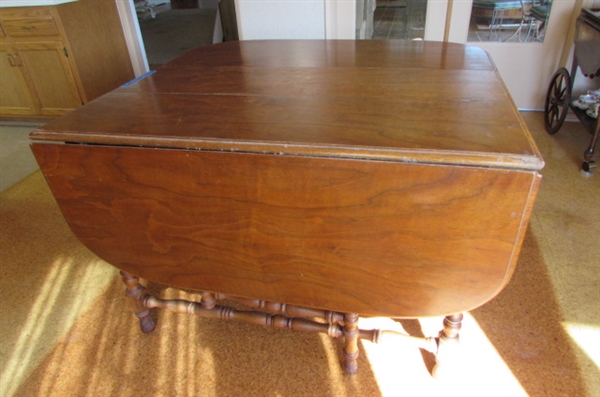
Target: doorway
172 28
390 19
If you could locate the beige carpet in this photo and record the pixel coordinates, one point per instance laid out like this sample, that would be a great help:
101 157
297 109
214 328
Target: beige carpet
14 150
65 329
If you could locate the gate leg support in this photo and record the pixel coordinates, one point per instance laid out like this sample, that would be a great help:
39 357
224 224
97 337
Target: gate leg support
136 293
446 356
351 332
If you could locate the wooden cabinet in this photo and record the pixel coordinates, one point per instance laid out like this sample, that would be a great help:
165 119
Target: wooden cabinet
56 58
15 95
38 80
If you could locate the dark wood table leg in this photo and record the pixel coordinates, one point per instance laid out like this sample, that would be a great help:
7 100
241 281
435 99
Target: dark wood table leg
351 333
447 347
136 293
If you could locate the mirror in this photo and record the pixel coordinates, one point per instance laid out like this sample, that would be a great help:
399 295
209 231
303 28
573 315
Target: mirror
509 20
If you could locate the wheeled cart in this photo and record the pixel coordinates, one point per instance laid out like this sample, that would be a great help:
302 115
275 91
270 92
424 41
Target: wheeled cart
558 98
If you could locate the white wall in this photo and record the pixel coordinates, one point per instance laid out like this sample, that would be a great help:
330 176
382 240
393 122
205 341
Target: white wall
276 19
340 19
295 19
435 20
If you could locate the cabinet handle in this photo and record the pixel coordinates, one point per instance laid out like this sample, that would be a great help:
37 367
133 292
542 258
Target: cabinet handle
10 59
28 27
13 59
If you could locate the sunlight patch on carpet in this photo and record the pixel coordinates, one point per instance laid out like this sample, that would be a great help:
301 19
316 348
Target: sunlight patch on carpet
63 297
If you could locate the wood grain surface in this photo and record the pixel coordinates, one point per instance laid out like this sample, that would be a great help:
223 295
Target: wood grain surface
377 238
373 177
421 102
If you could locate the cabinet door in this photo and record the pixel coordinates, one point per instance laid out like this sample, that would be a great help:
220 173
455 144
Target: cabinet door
49 73
15 96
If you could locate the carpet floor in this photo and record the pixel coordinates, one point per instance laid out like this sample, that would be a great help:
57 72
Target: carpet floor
66 330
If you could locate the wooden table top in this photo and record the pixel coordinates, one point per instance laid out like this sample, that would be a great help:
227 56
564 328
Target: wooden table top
420 102
276 190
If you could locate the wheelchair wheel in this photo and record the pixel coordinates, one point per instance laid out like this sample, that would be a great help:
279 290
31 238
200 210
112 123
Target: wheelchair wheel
557 101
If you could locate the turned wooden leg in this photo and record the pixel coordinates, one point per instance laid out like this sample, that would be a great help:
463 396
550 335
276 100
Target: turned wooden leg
351 333
448 347
135 293
208 300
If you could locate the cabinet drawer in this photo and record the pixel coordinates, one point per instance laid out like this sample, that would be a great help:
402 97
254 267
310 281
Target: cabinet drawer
30 27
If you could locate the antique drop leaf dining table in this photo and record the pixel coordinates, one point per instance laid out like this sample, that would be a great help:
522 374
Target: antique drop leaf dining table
311 181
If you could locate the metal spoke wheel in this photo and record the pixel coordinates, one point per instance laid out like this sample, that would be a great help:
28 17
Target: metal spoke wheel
557 101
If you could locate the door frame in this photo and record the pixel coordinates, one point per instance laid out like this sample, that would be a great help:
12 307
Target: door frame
133 36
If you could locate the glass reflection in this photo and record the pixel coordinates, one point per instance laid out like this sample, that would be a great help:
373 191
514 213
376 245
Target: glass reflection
509 20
